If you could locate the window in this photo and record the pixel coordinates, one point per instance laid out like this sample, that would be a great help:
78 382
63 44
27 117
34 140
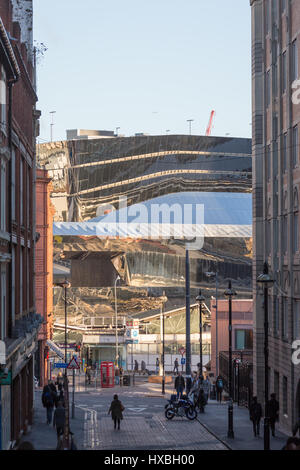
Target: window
3 301
21 281
276 315
283 6
296 333
284 234
284 317
243 339
13 184
285 396
267 16
284 72
294 60
13 284
21 191
295 233
295 146
284 150
3 98
3 196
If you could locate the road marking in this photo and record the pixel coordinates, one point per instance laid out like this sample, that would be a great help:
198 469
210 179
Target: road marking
137 410
91 431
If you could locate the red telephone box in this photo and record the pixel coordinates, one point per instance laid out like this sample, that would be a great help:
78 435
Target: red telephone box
107 374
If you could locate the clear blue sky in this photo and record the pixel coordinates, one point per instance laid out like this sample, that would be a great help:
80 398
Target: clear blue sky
144 65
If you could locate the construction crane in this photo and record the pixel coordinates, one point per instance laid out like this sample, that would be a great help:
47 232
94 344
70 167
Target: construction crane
209 127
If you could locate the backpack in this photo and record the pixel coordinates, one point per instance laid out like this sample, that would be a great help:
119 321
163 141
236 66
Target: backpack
48 399
220 383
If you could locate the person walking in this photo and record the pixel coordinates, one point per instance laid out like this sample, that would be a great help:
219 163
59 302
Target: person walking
179 385
121 376
255 412
88 375
219 388
48 402
116 409
117 376
273 412
143 367
176 364
59 419
136 366
206 388
157 366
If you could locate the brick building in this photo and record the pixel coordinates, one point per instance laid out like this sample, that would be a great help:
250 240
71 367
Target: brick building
44 270
276 186
19 322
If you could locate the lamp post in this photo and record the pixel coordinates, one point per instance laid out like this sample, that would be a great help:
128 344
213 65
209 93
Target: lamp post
266 282
200 299
230 293
66 444
212 274
162 322
116 320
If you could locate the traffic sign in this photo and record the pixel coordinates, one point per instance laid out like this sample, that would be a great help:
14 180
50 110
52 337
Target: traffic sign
60 365
183 361
182 351
73 364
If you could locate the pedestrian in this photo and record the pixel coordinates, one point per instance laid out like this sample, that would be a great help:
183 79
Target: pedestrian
179 385
88 375
219 388
273 412
121 376
136 366
201 400
117 376
176 366
206 388
48 402
143 367
116 409
157 366
293 443
255 412
59 419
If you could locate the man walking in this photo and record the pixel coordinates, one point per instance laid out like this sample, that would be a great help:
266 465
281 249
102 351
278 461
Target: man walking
206 388
48 399
59 419
176 366
273 412
179 385
157 366
116 409
219 388
255 412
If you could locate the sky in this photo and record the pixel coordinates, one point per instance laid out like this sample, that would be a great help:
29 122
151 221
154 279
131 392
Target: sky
144 66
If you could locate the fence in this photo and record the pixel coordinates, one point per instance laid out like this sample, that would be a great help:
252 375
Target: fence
242 375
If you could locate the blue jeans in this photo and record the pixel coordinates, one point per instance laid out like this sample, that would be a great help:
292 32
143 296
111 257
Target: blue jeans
179 392
117 379
49 414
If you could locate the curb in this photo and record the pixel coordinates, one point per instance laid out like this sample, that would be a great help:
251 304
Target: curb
213 434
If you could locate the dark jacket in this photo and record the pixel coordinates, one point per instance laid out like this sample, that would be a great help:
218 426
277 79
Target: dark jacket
273 408
48 397
255 411
59 417
179 382
116 409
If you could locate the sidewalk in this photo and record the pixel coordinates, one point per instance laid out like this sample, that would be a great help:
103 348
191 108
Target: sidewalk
215 418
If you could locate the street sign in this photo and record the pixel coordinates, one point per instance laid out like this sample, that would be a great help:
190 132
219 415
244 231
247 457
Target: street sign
182 361
60 365
182 351
73 364
129 341
132 323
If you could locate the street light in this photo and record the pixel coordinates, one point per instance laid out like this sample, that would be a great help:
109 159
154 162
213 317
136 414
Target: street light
212 274
230 293
163 300
200 299
266 282
116 319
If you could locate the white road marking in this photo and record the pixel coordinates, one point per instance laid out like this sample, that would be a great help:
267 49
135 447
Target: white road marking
136 410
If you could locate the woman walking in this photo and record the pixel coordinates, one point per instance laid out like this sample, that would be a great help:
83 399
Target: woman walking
116 409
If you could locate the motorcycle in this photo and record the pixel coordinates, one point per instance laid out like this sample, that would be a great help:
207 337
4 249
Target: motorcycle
182 407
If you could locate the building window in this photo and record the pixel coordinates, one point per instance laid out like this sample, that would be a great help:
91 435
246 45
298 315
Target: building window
284 152
285 317
284 234
276 384
296 322
21 281
3 98
243 339
295 146
276 315
295 233
284 72
13 284
283 6
13 184
285 395
21 191
268 14
294 60
3 301
3 196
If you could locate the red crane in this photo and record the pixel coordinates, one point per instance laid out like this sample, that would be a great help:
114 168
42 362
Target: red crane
209 127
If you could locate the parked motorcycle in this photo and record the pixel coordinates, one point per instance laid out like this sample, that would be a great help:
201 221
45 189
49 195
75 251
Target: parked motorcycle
182 407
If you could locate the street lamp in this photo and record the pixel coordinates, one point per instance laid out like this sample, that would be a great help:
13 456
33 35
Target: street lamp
116 320
230 293
163 300
200 299
212 274
266 282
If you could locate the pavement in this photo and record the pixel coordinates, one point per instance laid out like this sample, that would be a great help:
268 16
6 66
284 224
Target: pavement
144 426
